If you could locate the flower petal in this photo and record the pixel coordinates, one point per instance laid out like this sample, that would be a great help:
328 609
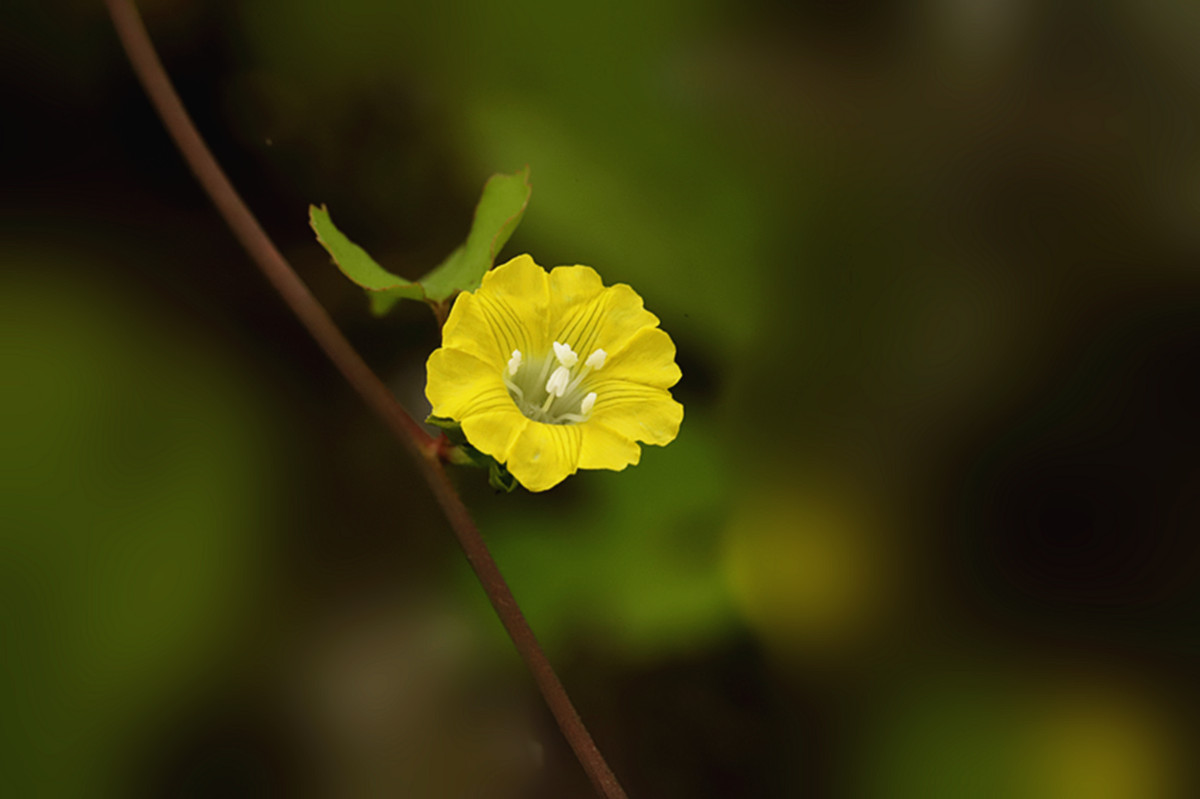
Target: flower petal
573 286
605 448
588 316
469 329
642 413
493 433
460 385
543 455
507 312
648 358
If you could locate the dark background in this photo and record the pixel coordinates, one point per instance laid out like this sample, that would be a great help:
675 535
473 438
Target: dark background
930 528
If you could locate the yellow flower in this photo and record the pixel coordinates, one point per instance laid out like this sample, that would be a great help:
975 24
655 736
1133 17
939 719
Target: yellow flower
551 373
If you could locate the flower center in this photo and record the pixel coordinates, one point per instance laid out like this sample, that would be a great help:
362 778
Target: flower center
552 389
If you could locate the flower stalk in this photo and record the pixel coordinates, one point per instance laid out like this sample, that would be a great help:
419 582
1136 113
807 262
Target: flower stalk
427 450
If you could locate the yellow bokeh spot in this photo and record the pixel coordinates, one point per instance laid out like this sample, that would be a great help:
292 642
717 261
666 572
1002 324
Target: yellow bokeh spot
805 567
1104 745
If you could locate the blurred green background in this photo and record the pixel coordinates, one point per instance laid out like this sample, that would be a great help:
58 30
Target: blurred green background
930 528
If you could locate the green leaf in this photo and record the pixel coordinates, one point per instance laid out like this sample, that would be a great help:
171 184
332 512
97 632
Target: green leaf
497 215
382 301
354 261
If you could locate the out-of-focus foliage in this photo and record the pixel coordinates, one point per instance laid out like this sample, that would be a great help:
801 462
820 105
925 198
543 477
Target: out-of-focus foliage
134 488
630 561
1001 733
810 564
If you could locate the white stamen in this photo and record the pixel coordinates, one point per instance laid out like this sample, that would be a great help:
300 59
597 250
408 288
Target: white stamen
557 384
589 401
514 363
565 355
596 359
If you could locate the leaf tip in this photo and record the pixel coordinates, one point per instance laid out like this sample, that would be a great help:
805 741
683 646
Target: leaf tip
318 216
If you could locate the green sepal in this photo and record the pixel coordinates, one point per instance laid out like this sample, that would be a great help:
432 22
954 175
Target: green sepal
500 209
444 423
501 478
464 454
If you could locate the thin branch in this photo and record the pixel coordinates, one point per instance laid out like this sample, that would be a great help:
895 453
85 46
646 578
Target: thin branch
362 379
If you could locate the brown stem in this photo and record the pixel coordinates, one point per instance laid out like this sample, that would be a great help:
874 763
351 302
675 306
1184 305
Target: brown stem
362 379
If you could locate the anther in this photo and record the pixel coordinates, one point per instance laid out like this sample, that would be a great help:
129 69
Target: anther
514 363
596 359
557 384
565 355
589 401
